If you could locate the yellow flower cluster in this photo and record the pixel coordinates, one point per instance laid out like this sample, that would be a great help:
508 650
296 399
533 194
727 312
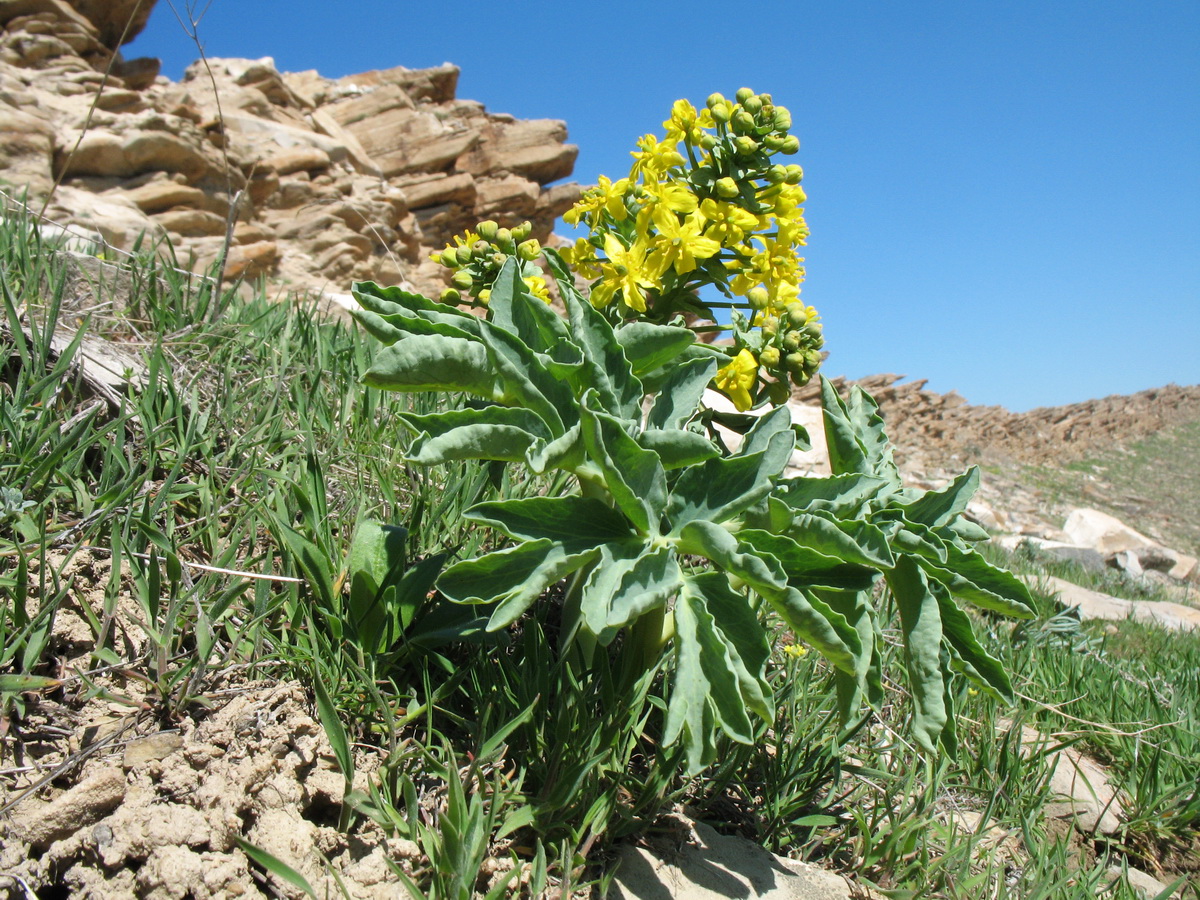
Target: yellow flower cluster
706 205
476 257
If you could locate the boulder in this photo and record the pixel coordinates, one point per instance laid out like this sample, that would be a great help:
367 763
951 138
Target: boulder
159 196
1102 532
117 22
511 198
252 260
191 222
435 190
706 865
532 149
1095 605
297 159
434 85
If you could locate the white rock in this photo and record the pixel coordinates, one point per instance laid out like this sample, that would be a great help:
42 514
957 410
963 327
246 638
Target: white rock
1100 531
714 867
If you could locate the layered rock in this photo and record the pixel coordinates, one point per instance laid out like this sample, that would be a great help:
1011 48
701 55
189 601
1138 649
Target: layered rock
316 181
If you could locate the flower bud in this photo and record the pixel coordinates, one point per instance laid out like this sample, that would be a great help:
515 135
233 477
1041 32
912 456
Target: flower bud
708 141
449 258
745 146
714 100
782 119
487 230
769 357
463 255
727 188
770 327
752 105
721 112
792 340
529 250
777 174
791 144
795 363
744 94
522 231
758 298
498 259
504 240
773 141
813 330
742 122
797 314
795 174
462 280
778 392
450 295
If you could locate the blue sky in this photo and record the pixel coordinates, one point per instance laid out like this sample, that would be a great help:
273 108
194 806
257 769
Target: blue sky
1004 197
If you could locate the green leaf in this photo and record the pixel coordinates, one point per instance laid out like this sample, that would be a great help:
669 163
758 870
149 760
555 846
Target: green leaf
921 623
810 617
937 508
339 740
527 382
981 667
512 578
564 452
376 550
740 627
651 581
852 686
635 477
854 435
648 346
719 489
606 368
969 576
854 541
491 432
435 362
762 436
578 523
697 633
679 397
842 495
276 867
19 684
806 566
676 448
395 301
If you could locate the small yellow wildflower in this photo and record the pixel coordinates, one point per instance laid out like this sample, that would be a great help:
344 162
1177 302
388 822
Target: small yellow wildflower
582 258
795 651
686 124
679 244
728 222
607 196
624 271
537 285
735 379
652 159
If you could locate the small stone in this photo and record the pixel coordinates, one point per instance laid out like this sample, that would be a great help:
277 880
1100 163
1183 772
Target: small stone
153 747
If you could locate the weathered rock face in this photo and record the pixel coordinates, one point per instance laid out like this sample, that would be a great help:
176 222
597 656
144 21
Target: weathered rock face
320 181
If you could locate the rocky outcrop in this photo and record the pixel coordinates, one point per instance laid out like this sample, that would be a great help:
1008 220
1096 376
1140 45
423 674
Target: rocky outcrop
939 425
318 181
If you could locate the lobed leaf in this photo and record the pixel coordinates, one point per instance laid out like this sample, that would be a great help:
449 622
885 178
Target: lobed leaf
512 579
578 523
921 624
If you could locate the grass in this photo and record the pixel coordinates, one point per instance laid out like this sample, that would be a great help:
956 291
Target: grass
1152 484
225 491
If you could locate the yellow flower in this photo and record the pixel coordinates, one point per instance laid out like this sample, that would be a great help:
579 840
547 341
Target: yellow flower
624 271
795 651
582 258
728 222
537 285
736 379
607 196
679 244
653 159
686 124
